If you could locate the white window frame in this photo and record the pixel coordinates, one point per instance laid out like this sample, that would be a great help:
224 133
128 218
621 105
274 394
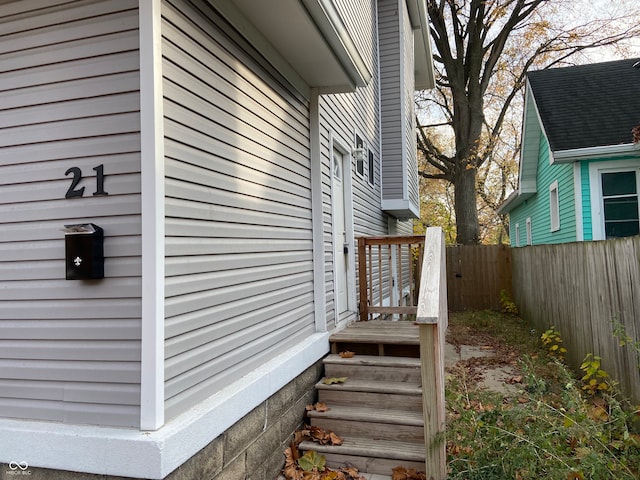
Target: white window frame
359 152
596 169
517 234
529 232
554 206
371 164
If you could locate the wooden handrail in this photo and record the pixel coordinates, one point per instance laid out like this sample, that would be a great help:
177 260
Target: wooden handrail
379 275
432 318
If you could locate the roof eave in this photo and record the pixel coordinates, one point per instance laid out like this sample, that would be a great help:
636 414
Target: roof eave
306 40
425 77
589 153
516 199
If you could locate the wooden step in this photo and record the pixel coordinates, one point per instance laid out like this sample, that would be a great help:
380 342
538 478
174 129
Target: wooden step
400 339
398 369
373 386
371 456
373 393
374 361
374 423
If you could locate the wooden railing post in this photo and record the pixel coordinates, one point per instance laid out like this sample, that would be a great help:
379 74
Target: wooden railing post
362 280
432 318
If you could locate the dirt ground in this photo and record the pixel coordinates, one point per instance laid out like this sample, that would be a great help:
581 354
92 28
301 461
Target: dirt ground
488 363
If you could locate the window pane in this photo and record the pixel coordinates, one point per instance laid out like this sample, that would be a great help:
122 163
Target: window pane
619 183
623 208
621 229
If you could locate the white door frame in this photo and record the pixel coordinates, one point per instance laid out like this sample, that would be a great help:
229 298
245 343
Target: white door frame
347 186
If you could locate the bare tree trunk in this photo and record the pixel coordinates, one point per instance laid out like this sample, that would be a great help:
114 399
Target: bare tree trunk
465 205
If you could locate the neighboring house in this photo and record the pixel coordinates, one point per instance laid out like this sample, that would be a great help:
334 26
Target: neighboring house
579 168
231 151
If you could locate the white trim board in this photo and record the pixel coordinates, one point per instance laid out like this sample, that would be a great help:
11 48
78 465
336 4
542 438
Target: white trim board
152 183
595 189
153 455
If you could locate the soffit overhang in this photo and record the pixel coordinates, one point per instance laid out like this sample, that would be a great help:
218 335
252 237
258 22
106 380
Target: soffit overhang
307 37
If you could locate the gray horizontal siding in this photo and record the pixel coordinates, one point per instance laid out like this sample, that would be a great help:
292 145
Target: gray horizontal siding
342 116
392 97
239 268
70 350
411 155
399 160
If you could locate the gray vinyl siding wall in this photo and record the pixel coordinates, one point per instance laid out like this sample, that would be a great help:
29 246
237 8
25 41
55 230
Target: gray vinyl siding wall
399 156
411 153
393 95
69 83
342 117
239 269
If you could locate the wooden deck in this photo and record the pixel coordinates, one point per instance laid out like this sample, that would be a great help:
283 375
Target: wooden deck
380 337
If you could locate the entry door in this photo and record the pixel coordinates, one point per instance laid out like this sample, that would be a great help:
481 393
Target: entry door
340 240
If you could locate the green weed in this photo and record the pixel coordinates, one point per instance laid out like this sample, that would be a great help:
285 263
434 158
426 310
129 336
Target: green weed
548 429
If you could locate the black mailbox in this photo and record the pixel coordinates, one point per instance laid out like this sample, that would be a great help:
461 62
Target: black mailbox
84 251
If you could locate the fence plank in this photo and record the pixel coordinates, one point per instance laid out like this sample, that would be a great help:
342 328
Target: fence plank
476 274
581 289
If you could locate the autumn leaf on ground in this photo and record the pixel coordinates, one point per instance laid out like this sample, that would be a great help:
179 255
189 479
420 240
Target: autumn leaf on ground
346 354
291 471
332 380
402 473
598 413
575 476
311 461
351 471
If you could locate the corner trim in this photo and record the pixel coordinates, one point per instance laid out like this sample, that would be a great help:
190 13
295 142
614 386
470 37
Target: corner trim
152 186
319 293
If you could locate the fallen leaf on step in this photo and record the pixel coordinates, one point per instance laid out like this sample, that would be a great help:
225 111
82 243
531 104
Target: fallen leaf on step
332 380
323 437
318 407
346 354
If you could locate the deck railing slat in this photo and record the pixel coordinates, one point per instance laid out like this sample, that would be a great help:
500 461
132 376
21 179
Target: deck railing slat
397 270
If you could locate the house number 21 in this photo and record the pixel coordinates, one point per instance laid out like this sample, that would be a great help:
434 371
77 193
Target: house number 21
74 191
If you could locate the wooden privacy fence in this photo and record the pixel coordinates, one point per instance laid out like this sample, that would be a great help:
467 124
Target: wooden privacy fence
388 275
582 289
476 274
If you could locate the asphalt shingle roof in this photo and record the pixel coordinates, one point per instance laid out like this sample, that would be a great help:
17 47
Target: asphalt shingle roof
588 105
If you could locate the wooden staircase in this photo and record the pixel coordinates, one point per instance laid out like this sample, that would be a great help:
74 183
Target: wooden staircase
377 411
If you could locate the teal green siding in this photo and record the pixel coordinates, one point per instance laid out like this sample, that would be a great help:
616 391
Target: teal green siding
538 207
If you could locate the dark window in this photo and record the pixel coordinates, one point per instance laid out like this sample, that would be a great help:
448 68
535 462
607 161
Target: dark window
620 198
372 173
